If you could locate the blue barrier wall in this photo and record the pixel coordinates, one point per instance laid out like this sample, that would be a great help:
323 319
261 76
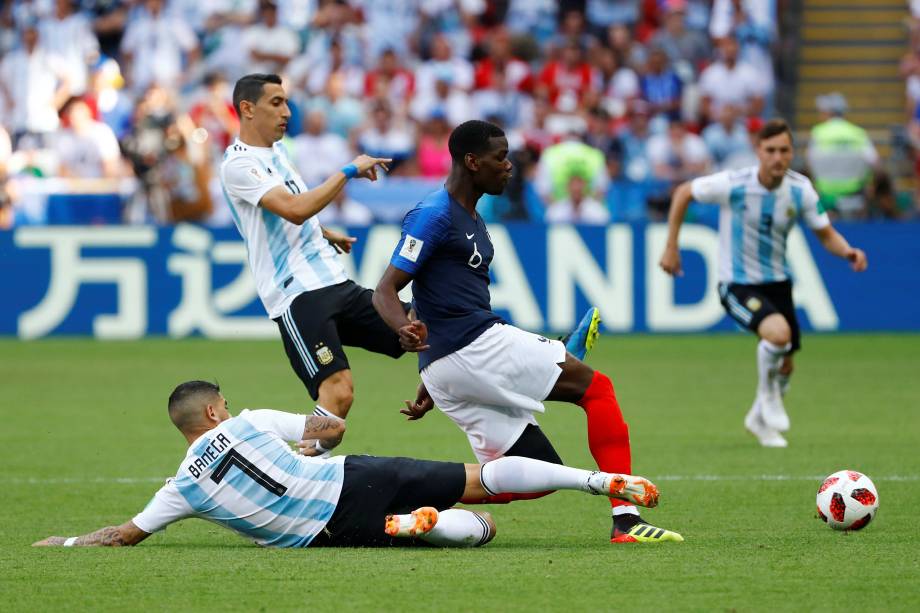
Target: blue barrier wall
127 282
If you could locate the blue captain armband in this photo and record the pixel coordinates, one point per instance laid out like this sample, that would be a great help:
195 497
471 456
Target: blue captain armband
350 171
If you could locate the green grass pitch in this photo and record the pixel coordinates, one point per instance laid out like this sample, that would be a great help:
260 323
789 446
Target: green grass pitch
86 441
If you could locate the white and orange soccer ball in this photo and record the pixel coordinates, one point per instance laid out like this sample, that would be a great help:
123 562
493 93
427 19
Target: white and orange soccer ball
847 500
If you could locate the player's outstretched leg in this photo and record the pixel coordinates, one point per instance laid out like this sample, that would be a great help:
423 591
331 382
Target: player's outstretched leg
581 340
523 475
450 528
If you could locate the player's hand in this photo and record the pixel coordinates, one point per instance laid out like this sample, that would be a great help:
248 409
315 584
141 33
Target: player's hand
51 541
423 403
670 261
340 242
857 259
367 166
413 335
308 448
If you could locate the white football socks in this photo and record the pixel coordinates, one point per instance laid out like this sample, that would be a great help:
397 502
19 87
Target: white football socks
769 357
524 475
459 528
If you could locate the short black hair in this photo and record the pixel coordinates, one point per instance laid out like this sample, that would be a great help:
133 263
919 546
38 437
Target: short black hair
772 128
186 398
471 137
250 88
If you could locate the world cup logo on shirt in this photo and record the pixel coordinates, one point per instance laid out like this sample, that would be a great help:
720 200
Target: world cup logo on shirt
475 259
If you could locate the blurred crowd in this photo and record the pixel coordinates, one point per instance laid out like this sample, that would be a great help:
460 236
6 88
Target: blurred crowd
133 96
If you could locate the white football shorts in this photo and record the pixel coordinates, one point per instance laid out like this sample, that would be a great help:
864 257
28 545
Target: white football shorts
492 387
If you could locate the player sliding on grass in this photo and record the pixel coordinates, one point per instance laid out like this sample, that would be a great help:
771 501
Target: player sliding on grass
294 261
759 207
241 474
489 377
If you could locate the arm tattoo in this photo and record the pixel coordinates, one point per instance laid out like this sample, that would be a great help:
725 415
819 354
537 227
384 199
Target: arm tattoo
104 537
316 425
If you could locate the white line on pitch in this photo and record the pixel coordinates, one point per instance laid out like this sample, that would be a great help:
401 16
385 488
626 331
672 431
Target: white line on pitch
662 478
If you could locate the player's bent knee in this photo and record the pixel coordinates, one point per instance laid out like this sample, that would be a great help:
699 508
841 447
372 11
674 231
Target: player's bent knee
775 329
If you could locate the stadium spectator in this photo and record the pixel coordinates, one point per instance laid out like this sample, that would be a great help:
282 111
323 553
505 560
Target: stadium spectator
433 157
730 81
499 69
112 103
390 79
630 147
344 113
68 35
345 211
534 19
271 45
445 98
566 81
678 154
728 140
315 77
185 173
442 63
317 152
660 85
215 113
578 207
34 86
602 14
573 28
220 25
618 82
389 25
86 148
753 23
6 200
387 136
688 50
842 159
620 38
333 22
155 46
108 19
560 161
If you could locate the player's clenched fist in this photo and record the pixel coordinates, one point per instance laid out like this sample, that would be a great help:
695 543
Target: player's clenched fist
413 335
670 261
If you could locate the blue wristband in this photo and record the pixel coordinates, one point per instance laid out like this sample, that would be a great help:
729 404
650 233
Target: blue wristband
350 171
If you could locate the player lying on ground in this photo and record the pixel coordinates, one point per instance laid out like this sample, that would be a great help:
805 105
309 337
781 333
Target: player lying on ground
489 377
241 474
760 205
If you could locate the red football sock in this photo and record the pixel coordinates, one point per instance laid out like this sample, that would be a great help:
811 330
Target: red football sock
504 498
608 434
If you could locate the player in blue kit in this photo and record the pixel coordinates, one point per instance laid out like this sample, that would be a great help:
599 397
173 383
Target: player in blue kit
489 377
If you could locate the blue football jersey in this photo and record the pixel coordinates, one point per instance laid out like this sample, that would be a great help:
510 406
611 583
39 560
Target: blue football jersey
448 252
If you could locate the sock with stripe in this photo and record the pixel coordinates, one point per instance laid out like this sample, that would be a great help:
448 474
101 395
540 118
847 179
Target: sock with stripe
625 517
459 528
769 357
608 434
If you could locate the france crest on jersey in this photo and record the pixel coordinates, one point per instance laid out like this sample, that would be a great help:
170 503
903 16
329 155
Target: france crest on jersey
755 221
447 251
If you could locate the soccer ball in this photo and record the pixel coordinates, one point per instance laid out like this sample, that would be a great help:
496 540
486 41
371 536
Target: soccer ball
847 500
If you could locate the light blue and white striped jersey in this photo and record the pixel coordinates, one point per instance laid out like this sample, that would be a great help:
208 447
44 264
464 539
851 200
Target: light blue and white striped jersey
243 475
286 259
755 221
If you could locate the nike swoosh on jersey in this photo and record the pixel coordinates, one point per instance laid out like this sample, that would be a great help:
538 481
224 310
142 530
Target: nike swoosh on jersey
470 236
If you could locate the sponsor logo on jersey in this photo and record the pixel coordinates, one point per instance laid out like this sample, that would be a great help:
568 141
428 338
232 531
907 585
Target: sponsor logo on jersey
753 303
411 248
324 355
